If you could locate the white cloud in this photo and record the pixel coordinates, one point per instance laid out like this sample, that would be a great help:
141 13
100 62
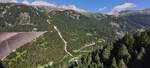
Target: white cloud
101 9
44 3
122 7
26 2
8 1
14 1
71 7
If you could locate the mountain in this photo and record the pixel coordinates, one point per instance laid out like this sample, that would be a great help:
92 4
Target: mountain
70 34
19 17
136 19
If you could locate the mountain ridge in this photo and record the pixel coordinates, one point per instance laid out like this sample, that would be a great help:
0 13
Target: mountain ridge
79 32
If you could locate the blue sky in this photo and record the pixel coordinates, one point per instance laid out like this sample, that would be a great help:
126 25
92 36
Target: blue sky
95 5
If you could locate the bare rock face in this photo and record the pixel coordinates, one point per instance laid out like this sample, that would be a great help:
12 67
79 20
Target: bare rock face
10 41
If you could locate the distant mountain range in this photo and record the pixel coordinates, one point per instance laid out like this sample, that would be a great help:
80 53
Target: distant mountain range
68 31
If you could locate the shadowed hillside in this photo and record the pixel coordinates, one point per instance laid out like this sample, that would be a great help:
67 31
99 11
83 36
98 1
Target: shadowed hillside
132 51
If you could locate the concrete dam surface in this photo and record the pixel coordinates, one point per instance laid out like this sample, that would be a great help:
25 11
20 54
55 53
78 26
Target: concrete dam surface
10 41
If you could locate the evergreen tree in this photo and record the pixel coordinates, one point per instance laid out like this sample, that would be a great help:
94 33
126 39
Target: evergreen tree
123 52
98 58
100 65
128 40
94 65
113 63
141 53
107 52
89 58
122 64
1 65
145 38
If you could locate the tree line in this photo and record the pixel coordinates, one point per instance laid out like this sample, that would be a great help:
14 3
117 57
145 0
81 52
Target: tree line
132 51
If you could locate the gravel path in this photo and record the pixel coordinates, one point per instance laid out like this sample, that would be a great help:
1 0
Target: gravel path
65 42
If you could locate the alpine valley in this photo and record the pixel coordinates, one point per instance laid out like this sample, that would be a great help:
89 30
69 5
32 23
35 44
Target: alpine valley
69 36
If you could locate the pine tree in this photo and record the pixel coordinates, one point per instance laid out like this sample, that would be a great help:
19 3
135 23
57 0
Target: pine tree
118 55
128 40
107 52
113 63
122 64
89 58
123 52
97 58
141 53
145 37
1 65
94 65
100 65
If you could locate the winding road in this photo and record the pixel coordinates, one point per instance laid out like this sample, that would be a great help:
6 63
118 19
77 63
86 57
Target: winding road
65 42
60 35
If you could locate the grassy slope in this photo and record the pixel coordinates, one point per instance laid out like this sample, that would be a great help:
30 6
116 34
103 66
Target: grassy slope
76 29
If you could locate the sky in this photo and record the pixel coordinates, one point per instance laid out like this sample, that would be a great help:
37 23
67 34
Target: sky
95 5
